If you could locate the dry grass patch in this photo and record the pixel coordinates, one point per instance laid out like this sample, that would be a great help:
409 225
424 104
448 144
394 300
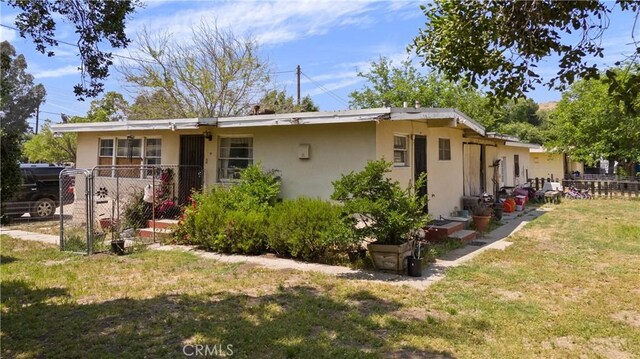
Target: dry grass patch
567 287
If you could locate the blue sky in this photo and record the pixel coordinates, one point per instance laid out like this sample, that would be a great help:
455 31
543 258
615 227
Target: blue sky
330 40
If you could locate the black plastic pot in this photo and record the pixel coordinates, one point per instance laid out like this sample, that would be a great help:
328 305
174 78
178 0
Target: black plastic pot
117 247
497 212
414 267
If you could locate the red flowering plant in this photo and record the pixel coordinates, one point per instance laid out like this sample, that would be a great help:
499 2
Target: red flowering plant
167 206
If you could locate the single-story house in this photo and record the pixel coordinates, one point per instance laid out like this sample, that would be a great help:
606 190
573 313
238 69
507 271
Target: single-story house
313 149
547 164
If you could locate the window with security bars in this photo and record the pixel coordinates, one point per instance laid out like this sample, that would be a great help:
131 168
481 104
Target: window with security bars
234 155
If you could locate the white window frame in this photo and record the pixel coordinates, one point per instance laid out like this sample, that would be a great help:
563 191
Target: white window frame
220 168
447 150
143 151
404 150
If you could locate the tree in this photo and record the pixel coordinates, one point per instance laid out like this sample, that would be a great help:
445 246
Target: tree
589 124
389 85
45 147
498 44
216 74
111 107
154 105
19 99
94 21
279 102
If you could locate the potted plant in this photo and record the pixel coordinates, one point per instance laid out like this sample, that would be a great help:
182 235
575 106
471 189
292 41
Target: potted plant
117 245
414 262
381 213
481 216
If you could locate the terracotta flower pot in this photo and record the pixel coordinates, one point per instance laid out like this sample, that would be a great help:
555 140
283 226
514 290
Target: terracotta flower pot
481 222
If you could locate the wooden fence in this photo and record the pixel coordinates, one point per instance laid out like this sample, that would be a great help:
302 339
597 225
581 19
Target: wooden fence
596 187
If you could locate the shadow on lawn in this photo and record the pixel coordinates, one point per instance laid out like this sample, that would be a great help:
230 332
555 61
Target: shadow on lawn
294 322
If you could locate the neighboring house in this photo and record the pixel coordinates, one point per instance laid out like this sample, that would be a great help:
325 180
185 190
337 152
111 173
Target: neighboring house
311 150
545 164
480 153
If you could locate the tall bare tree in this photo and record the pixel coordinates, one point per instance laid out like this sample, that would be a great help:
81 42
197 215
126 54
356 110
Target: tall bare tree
216 74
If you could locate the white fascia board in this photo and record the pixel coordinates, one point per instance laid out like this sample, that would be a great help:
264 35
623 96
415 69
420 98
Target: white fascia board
503 137
521 144
305 118
424 113
135 125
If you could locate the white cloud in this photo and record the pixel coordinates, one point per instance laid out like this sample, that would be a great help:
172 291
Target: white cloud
59 72
273 22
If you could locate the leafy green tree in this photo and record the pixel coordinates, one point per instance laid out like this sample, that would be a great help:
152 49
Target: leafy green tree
498 44
154 105
390 85
95 22
19 100
279 102
45 147
216 74
589 124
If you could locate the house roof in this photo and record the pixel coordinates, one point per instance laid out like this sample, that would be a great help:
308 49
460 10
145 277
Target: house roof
135 125
442 116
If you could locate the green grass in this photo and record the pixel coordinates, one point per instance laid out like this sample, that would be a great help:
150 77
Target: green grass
568 287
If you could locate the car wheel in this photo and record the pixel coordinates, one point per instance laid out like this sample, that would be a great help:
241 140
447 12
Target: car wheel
43 208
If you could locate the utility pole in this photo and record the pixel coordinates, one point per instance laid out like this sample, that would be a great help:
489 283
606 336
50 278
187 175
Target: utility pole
37 118
298 75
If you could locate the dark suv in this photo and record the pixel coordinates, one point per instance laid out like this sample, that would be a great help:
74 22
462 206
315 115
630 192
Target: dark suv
39 192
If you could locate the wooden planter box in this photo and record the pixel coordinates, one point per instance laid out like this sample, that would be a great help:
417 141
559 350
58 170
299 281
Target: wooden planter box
389 257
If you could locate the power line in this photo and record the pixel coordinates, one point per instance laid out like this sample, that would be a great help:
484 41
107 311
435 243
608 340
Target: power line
327 91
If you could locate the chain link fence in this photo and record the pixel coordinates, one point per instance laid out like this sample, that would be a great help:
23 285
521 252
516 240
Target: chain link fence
118 208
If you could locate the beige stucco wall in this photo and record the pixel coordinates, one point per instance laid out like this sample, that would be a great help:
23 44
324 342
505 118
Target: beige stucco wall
546 165
508 152
335 149
444 178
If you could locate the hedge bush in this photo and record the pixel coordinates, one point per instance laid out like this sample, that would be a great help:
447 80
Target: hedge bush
308 229
231 219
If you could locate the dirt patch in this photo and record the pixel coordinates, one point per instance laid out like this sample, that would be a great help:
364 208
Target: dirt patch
628 317
55 263
612 348
508 294
560 343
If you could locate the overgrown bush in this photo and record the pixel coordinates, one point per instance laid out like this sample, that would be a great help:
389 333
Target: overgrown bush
231 219
387 212
308 229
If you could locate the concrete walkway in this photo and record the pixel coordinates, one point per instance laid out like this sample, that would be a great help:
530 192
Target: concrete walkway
496 239
31 236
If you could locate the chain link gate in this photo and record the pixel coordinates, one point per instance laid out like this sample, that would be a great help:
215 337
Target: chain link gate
75 226
131 205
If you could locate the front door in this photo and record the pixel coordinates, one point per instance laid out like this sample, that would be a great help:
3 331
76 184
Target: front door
191 165
420 162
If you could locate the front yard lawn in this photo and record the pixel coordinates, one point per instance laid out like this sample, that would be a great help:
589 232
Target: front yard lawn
567 287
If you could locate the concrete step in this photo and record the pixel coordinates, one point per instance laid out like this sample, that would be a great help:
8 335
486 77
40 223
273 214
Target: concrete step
160 232
465 235
163 223
438 232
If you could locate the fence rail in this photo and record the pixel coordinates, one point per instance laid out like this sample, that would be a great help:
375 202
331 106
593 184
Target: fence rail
600 188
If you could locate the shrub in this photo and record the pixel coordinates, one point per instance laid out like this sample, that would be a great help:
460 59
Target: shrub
231 219
136 211
308 229
389 213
